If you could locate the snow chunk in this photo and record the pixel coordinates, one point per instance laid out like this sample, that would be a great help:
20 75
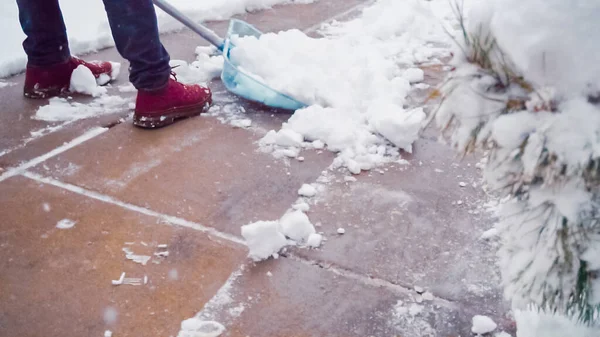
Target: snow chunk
84 82
241 123
483 324
307 190
399 128
264 239
65 224
61 109
107 333
314 240
287 137
194 327
297 226
414 75
341 231
489 234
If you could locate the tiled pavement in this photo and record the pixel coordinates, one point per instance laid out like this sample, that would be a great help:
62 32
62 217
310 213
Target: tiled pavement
191 186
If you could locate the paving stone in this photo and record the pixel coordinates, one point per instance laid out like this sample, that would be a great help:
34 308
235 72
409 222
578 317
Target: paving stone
286 297
200 170
413 225
57 282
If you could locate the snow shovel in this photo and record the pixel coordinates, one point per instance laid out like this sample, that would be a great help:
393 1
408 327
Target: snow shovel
236 80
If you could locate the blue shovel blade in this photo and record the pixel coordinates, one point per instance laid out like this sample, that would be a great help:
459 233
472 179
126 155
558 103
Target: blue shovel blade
242 84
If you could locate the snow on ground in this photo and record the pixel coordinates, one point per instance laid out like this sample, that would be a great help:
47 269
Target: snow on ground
532 323
355 80
65 109
91 31
266 239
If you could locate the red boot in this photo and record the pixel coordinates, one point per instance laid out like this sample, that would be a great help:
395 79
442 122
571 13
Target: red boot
43 82
177 100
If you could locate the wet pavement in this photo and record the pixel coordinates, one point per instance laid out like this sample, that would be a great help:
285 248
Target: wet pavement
130 195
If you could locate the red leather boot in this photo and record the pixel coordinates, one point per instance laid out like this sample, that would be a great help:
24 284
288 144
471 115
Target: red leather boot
44 82
155 109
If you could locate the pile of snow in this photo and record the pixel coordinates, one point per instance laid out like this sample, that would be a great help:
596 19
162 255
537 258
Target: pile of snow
64 109
355 81
91 31
84 82
207 66
266 238
532 323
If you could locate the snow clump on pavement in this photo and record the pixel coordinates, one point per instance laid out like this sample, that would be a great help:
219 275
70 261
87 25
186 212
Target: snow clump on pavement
483 324
266 238
63 109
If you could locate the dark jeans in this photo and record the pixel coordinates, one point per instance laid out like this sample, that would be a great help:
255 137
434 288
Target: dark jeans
134 28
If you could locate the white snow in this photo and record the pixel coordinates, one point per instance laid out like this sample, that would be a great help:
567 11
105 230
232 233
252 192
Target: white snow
532 323
63 109
264 239
107 333
241 123
341 231
483 324
314 240
355 80
91 31
65 224
287 137
84 82
414 75
502 334
489 234
301 206
46 207
307 190
137 258
204 69
194 327
296 226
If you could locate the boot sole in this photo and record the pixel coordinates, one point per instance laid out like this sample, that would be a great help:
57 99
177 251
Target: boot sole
168 117
44 93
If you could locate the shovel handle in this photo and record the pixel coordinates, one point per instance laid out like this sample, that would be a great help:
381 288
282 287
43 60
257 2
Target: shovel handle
199 29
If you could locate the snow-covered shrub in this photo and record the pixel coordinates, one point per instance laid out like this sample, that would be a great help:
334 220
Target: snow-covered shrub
519 92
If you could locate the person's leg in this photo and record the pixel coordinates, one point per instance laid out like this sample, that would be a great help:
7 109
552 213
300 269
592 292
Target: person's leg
135 31
49 60
42 22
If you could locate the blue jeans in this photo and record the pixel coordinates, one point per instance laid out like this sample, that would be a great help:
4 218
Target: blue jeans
134 28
